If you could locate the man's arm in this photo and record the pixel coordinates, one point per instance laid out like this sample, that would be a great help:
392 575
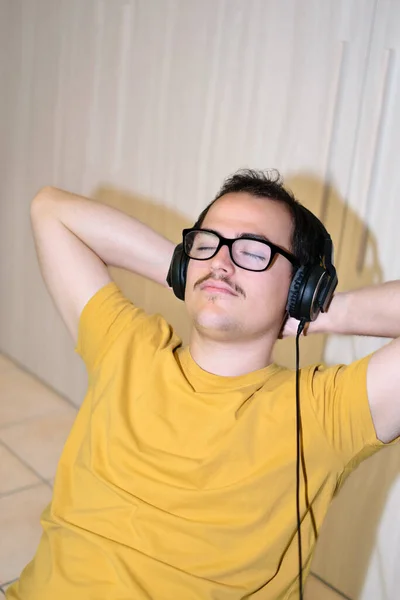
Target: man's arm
372 311
77 238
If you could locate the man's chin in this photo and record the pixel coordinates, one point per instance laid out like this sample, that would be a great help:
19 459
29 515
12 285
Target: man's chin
211 323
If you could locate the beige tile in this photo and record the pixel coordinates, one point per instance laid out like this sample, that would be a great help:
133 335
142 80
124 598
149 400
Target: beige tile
39 442
13 474
6 364
316 590
20 529
23 397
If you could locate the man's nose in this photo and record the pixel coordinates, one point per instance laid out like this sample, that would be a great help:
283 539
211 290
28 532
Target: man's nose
222 261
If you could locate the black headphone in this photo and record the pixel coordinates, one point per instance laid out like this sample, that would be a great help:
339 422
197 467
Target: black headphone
310 292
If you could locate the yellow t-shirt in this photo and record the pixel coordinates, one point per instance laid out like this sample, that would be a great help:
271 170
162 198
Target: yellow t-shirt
178 484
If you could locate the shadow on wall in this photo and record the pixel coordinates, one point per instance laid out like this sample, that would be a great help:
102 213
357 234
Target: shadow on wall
348 538
354 542
143 292
355 255
347 547
348 543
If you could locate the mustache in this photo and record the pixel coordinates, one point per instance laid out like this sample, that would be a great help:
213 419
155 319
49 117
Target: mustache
236 288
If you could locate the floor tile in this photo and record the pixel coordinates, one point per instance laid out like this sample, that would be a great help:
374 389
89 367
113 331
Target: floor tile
6 364
23 397
39 442
316 590
14 474
20 529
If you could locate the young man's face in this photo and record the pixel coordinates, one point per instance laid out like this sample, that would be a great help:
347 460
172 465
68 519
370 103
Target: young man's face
252 303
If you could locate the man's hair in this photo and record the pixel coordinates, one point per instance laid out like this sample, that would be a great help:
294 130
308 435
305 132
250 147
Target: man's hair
308 236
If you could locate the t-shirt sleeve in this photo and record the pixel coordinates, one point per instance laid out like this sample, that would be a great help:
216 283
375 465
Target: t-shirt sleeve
103 319
340 401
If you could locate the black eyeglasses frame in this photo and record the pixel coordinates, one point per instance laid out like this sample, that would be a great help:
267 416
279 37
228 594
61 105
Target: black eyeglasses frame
223 241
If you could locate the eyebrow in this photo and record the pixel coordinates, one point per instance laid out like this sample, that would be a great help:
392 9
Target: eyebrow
254 236
249 234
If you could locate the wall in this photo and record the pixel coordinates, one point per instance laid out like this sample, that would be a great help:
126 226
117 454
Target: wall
147 106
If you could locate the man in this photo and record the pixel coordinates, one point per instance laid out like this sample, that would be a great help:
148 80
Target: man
178 477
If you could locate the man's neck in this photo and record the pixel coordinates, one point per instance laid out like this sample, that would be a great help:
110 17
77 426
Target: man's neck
230 358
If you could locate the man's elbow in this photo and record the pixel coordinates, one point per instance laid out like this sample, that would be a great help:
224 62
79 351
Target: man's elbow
43 200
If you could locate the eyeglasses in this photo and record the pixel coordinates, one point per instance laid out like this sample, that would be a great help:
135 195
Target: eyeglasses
247 252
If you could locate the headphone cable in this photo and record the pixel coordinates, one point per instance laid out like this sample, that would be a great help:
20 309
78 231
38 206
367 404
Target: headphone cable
298 454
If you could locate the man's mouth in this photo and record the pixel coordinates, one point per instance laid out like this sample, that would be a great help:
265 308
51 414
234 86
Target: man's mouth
213 286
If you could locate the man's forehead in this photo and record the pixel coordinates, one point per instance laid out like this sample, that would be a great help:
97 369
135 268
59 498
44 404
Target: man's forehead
242 213
245 202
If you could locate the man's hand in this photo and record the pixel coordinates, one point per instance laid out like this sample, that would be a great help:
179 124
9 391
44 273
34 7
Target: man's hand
289 328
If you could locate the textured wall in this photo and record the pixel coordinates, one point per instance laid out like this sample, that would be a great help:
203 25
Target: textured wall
147 105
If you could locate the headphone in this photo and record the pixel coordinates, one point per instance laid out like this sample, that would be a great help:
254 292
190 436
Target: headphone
311 289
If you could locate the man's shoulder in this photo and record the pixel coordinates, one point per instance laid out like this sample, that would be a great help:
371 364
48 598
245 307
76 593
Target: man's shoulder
111 321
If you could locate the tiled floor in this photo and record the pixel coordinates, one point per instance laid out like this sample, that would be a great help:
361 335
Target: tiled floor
317 590
34 424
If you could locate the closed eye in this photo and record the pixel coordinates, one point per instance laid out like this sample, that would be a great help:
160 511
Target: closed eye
257 256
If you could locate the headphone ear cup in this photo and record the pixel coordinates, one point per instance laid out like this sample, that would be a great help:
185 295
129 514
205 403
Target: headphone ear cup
296 291
176 277
306 291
